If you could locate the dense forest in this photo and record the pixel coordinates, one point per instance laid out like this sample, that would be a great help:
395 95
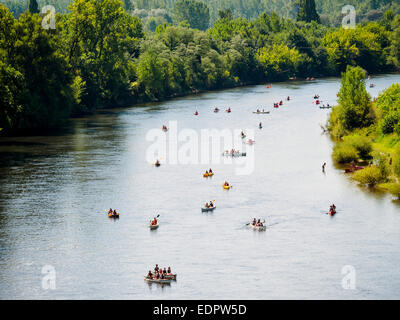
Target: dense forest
100 55
155 12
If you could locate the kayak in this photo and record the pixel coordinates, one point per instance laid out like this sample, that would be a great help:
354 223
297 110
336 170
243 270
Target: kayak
111 215
160 281
226 187
261 112
153 226
205 209
259 228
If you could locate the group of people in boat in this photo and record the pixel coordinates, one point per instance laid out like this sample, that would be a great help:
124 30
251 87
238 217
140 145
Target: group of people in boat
154 222
113 212
233 152
277 104
310 79
159 273
208 172
257 223
258 110
209 205
316 96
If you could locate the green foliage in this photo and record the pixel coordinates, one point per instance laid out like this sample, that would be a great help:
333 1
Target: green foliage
306 11
196 13
345 153
33 6
394 189
362 144
354 100
370 175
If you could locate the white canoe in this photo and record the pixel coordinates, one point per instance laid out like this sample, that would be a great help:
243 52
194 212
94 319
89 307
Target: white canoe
204 209
259 228
236 154
153 227
260 112
160 281
170 276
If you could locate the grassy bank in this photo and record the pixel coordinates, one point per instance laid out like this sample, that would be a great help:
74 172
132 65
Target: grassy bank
367 132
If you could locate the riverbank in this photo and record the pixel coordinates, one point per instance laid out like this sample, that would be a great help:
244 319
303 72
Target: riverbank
366 130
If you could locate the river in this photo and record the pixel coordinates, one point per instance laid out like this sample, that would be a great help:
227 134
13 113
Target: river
54 191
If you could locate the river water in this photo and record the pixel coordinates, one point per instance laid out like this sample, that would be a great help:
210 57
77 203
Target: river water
54 191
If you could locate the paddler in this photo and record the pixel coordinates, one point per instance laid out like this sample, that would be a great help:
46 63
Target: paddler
157 163
206 205
115 212
110 211
260 125
210 171
169 270
211 204
149 275
156 268
254 222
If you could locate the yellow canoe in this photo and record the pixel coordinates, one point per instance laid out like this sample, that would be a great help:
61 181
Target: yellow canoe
205 175
226 187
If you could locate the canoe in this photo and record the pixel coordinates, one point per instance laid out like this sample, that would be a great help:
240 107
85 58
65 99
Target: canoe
261 112
226 187
259 228
210 174
227 110
110 215
205 209
153 227
170 276
205 175
160 281
236 154
243 136
325 107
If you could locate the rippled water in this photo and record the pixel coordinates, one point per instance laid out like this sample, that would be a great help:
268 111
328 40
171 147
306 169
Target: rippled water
54 191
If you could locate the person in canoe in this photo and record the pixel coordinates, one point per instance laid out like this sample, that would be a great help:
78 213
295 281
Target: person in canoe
216 109
228 110
211 205
153 223
206 205
323 167
110 211
258 110
242 134
280 102
288 98
157 163
254 222
210 171
260 125
164 128
156 268
169 270
196 113
149 275
206 173
226 184
115 212
165 270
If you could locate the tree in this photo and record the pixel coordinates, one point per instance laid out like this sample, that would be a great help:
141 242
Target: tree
306 11
129 6
227 13
33 6
196 13
354 100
